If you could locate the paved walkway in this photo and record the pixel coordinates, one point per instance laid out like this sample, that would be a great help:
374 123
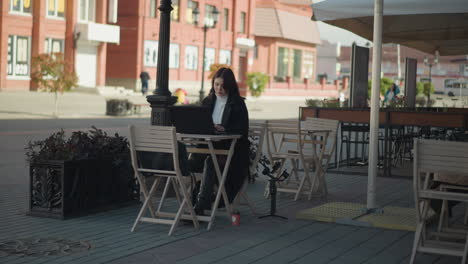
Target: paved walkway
40 105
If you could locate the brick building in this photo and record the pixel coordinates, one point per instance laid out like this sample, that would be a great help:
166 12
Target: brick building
286 40
231 42
77 28
110 42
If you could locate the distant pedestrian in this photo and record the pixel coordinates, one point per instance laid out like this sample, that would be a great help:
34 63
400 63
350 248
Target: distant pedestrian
144 77
392 93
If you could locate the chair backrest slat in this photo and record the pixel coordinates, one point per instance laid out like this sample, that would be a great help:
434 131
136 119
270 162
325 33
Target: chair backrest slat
156 139
279 132
439 156
313 123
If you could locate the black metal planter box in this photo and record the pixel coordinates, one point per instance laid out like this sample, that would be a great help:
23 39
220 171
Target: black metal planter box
64 189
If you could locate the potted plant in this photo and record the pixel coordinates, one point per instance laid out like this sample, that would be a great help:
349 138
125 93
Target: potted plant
52 73
257 82
85 173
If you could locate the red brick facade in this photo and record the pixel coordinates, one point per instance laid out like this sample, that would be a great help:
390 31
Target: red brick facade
126 61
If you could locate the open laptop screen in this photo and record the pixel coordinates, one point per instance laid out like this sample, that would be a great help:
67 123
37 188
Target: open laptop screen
192 119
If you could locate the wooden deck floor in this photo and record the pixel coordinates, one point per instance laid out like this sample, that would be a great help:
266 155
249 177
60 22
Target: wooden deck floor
267 240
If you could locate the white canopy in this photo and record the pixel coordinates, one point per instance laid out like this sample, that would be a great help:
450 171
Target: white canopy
426 25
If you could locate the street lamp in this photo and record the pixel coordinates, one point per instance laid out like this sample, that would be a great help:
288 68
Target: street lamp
207 23
429 63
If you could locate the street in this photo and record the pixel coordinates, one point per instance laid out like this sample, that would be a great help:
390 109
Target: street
15 135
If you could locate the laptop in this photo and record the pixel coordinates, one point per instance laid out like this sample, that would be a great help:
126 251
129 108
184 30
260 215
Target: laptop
192 119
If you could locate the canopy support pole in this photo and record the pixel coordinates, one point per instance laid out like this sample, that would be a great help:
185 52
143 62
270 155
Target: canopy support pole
374 108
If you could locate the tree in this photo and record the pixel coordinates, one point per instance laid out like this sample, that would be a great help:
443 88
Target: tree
385 84
52 73
257 82
427 91
215 67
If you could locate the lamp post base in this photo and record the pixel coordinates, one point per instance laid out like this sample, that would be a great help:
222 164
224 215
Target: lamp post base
160 109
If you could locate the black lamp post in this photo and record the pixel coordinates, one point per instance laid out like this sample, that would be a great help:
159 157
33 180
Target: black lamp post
429 63
162 97
207 23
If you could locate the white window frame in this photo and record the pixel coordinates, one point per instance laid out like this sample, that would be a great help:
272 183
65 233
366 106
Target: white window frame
225 57
150 53
191 57
14 55
174 56
88 17
210 54
153 11
21 12
55 15
50 41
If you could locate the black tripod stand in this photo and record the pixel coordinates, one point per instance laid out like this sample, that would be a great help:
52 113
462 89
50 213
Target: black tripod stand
272 181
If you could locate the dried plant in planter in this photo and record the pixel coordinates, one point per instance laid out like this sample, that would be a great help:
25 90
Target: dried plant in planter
74 175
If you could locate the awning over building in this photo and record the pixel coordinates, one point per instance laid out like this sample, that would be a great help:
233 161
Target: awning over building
270 22
98 32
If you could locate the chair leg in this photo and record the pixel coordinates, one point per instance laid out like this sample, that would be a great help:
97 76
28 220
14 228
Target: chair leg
465 250
177 217
465 219
145 195
163 196
145 204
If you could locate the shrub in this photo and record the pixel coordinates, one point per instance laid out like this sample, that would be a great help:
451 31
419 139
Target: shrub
257 82
385 84
94 144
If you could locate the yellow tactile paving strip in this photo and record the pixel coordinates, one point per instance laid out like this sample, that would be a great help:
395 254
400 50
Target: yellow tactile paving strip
398 218
330 212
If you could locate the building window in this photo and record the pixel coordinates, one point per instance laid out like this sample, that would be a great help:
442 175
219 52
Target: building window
209 58
255 51
283 64
175 10
153 12
242 22
18 56
308 64
87 11
191 57
191 5
225 19
54 45
174 55
209 18
21 6
297 65
150 54
225 57
56 8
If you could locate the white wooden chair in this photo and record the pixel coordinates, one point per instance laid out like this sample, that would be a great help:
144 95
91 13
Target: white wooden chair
256 131
327 147
160 139
432 157
285 142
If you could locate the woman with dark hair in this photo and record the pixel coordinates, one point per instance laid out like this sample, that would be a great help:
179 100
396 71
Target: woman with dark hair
230 116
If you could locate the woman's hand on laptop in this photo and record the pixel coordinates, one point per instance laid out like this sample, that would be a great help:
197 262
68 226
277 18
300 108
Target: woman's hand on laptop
219 128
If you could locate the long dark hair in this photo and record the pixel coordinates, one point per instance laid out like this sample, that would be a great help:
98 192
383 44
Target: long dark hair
229 82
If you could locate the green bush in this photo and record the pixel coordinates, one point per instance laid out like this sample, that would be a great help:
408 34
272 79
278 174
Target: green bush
257 82
385 84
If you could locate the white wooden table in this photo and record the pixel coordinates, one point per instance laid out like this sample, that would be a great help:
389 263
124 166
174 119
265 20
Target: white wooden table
221 174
